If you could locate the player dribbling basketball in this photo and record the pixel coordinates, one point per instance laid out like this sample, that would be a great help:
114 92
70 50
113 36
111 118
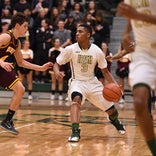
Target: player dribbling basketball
83 57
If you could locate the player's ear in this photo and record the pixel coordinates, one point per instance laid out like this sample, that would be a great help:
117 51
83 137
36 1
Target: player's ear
89 35
17 25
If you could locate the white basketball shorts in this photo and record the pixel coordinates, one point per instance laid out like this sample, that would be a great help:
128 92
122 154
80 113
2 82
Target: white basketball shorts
142 69
91 90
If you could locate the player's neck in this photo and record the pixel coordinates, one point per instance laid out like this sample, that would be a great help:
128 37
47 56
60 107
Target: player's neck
84 46
15 33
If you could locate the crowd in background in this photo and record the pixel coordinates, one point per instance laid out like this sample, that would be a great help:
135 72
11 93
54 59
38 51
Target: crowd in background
52 19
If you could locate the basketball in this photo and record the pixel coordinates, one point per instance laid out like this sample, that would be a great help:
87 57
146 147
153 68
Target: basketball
112 92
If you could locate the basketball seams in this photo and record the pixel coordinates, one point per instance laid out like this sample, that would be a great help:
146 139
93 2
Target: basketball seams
112 92
111 89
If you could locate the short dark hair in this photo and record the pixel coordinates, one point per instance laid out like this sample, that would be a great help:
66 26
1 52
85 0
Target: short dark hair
19 18
87 27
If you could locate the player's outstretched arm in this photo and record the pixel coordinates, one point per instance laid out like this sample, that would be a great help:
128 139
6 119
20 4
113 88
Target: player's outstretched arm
117 55
23 63
131 13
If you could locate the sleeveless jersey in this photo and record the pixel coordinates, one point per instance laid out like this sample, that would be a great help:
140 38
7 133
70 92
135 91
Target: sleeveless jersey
6 51
82 62
145 33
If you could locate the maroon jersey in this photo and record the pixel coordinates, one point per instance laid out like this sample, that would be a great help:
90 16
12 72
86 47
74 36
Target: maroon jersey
8 79
7 50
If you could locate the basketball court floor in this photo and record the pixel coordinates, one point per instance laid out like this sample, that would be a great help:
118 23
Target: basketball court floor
44 128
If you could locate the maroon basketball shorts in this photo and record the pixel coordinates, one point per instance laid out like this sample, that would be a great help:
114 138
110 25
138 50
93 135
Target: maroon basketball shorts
8 79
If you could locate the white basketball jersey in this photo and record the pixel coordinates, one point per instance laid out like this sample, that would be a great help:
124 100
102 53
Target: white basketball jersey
82 62
145 33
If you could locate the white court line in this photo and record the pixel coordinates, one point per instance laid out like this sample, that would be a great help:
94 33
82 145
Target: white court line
20 127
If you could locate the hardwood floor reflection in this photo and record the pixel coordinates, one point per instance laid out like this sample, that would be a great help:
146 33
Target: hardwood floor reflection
45 127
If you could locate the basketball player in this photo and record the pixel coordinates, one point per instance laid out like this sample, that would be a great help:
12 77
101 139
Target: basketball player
142 14
83 57
10 46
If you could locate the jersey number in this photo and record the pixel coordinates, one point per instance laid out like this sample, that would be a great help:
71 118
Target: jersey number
84 68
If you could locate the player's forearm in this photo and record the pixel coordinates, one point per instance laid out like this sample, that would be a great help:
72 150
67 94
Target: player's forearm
29 65
119 55
108 76
146 17
59 75
116 56
128 28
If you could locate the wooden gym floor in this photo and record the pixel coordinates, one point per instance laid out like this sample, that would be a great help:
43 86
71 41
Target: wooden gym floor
44 128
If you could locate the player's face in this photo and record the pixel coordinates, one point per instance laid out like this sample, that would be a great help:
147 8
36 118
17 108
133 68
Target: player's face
81 34
22 29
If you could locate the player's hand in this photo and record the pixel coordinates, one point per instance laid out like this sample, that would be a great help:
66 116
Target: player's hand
127 11
7 66
109 58
128 43
46 66
59 75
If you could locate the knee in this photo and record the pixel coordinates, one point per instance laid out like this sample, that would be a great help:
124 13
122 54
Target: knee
140 105
75 104
20 89
76 97
141 95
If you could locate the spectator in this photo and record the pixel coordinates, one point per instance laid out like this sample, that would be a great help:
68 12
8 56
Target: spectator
38 5
21 6
63 34
95 38
4 27
92 8
89 19
54 17
37 20
43 42
6 4
53 53
63 10
71 26
123 71
23 72
106 52
76 13
102 27
6 15
98 72
31 31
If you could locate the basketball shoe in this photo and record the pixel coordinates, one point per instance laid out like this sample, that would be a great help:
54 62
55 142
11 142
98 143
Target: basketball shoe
9 126
117 124
75 136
